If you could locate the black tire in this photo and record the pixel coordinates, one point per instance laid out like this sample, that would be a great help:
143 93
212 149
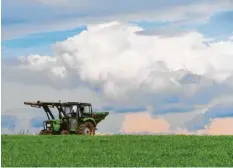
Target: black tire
86 128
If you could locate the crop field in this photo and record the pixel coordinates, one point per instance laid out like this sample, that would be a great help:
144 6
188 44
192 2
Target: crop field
117 150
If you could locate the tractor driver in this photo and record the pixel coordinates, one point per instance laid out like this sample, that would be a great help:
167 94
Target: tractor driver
73 111
81 110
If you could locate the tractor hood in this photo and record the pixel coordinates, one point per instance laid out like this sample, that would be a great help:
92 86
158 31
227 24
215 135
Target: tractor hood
99 116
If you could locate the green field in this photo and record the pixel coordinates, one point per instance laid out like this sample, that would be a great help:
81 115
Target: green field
48 151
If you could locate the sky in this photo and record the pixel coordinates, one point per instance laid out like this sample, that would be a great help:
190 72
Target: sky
158 67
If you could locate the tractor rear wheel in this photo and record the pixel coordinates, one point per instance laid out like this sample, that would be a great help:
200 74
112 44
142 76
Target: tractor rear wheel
86 128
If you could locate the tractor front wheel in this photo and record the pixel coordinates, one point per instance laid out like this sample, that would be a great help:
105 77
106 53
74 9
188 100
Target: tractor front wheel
86 128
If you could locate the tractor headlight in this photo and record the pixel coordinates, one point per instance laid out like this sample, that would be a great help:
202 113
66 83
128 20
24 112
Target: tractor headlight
48 125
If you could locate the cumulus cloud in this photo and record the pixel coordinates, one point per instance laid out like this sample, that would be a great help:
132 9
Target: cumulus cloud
136 123
178 74
112 56
221 126
221 107
217 126
144 123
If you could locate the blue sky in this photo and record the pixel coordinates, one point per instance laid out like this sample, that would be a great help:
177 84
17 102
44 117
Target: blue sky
32 27
36 14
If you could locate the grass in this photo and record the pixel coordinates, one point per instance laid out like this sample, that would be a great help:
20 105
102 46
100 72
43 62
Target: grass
65 151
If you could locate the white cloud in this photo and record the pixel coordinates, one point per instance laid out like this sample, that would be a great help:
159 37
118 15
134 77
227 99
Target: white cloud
231 38
143 122
132 70
53 2
113 56
24 92
202 115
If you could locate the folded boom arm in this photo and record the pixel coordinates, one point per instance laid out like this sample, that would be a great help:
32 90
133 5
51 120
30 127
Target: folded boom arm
45 106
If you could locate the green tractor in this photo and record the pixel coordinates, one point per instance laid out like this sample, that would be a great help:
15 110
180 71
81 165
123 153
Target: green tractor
74 118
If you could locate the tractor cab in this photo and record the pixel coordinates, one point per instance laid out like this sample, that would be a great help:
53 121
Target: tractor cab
78 111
